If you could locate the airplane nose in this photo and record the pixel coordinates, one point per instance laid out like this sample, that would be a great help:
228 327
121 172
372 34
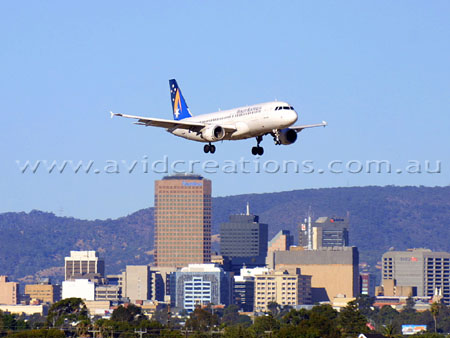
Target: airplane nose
293 117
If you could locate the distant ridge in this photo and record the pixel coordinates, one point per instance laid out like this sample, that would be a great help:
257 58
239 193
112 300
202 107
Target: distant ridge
380 218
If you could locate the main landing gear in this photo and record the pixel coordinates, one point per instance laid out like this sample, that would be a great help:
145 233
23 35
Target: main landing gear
258 150
209 148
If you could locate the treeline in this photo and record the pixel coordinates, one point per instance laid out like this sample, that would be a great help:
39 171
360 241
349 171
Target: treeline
69 318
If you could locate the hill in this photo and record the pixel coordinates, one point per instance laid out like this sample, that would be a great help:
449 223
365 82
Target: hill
35 243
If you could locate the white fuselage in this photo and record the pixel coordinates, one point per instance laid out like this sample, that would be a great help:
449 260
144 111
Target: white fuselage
249 121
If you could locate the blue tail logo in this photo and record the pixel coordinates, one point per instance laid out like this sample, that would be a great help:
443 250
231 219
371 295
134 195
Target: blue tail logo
179 106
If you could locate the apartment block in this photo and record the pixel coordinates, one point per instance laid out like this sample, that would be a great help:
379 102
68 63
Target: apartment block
282 287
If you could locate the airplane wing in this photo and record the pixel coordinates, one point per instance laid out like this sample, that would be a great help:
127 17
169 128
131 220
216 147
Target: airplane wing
171 124
163 123
300 128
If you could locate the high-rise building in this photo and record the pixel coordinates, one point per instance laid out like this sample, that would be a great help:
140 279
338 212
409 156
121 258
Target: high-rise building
367 283
282 287
334 271
200 284
423 269
182 220
325 232
244 241
84 265
9 291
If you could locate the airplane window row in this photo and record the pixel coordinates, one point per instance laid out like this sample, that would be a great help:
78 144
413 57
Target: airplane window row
285 107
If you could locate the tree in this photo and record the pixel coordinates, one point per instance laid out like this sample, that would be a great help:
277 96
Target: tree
71 309
365 305
83 328
230 315
240 331
274 308
265 323
129 313
295 317
409 306
389 330
434 309
202 319
351 321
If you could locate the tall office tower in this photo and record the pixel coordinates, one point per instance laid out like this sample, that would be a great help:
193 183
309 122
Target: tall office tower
9 291
244 240
421 268
84 265
182 220
326 232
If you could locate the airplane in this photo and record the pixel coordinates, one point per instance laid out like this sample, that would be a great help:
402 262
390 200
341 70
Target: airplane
271 118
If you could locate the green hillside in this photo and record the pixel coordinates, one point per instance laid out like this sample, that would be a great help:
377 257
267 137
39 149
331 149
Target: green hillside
380 217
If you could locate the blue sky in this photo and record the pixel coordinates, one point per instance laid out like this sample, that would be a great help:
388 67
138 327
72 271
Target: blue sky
377 72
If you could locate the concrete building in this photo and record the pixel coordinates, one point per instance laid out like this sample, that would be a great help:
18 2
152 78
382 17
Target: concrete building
244 287
200 284
423 269
182 220
108 292
367 283
43 292
138 285
244 241
334 271
9 291
98 307
84 264
282 241
326 232
283 287
29 310
78 288
389 288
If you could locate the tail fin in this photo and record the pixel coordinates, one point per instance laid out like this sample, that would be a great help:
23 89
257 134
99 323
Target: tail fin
179 106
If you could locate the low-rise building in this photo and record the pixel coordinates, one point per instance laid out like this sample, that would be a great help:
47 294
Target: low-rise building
334 270
200 284
244 287
43 292
78 288
282 287
41 309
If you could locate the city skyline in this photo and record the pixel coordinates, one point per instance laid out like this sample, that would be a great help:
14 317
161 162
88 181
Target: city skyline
375 72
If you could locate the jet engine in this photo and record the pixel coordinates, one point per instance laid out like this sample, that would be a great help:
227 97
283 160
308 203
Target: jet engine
213 133
287 136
